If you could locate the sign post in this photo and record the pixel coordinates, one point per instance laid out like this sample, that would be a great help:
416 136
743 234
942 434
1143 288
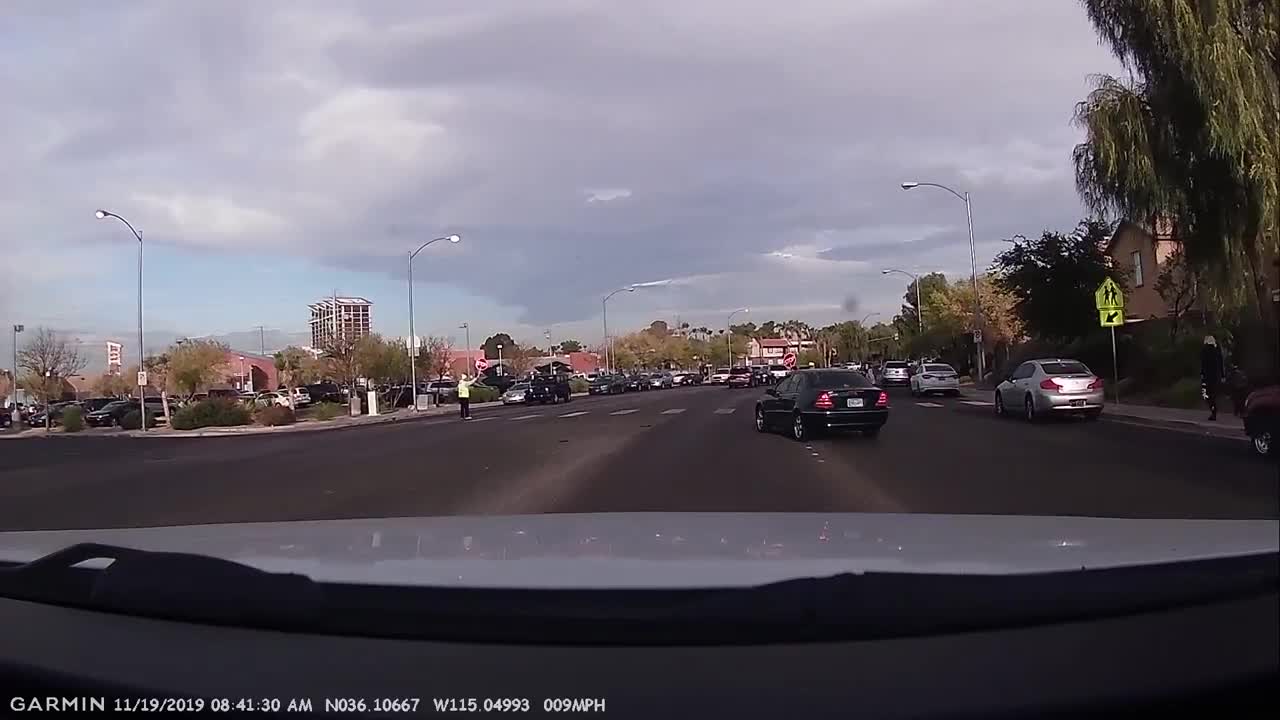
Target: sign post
1109 299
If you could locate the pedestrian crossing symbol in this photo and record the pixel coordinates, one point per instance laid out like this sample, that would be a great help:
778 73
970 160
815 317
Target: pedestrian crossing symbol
1109 296
1111 318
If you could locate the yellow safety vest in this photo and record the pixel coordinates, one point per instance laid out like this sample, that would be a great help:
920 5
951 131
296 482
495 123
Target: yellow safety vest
464 389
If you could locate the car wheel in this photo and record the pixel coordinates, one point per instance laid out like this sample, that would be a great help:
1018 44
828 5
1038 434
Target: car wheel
798 431
1264 443
761 426
1029 409
872 431
999 404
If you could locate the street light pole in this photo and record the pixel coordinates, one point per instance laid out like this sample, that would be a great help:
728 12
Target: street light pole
728 333
142 354
467 327
973 261
919 307
604 305
14 392
502 369
551 355
413 339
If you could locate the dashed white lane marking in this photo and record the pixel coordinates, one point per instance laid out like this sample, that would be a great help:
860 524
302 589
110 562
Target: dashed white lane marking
483 419
673 411
624 412
930 404
979 403
526 417
575 414
725 411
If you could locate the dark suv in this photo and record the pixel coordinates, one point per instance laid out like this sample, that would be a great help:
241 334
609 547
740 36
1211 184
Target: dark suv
548 389
607 385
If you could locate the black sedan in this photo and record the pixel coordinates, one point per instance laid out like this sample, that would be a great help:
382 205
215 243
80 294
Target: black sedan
638 381
607 385
812 401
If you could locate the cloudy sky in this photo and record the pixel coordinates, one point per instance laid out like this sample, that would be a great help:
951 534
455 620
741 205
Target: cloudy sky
748 150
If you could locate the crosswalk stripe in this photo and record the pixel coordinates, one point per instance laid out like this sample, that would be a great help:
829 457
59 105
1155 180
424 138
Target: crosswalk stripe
624 412
575 414
527 417
979 403
725 411
929 404
483 419
673 411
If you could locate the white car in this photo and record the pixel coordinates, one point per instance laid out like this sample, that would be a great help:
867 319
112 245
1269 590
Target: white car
271 398
935 378
720 376
301 396
518 393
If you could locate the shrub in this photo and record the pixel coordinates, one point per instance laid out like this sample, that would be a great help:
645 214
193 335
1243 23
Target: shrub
273 415
578 385
328 411
216 412
132 420
484 394
72 420
1184 393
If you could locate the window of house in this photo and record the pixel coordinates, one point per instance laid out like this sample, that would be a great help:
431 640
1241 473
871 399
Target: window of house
1136 258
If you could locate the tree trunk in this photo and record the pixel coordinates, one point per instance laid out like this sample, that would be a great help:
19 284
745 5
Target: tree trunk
164 403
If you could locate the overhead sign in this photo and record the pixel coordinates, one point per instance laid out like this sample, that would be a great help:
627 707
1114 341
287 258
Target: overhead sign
1111 318
789 360
1109 296
482 364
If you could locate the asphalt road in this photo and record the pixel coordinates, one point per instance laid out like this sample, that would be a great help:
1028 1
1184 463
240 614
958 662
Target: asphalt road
691 449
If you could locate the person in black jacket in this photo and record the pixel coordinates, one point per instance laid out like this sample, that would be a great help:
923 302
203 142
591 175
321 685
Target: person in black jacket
1211 373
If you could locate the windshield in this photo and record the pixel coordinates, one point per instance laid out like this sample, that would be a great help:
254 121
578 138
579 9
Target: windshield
1044 231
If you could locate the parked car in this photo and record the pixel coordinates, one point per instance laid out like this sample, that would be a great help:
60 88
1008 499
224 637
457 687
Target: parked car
96 403
779 372
720 376
661 381
607 385
812 401
325 392
761 373
302 396
637 381
545 389
1050 386
273 397
895 372
113 413
741 377
516 394
37 418
444 389
501 383
935 378
1261 414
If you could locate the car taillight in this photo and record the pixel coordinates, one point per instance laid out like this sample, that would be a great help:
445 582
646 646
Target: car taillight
883 400
927 377
1096 384
824 402
1049 384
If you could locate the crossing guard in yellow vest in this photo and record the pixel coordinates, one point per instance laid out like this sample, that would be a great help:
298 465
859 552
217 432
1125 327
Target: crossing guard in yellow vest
464 397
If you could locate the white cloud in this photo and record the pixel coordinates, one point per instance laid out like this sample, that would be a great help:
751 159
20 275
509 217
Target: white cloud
604 195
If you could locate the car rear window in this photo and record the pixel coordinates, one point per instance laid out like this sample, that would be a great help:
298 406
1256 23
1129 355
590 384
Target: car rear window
1065 368
830 379
895 364
740 371
722 370
939 368
777 367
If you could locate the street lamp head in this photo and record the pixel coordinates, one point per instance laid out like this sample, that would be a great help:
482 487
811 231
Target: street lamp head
910 184
100 214
454 238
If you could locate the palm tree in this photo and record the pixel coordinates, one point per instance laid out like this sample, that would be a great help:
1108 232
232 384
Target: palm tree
1194 134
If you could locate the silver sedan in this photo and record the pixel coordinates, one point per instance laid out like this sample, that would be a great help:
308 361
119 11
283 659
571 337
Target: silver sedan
1052 386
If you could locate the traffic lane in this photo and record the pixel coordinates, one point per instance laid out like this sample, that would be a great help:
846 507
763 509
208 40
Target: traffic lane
436 466
949 456
716 462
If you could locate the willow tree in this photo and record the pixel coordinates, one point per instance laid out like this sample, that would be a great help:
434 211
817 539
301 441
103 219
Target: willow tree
1193 132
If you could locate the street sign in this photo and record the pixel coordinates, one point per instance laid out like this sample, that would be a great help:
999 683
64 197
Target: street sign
1109 296
482 364
1111 318
977 336
142 378
789 360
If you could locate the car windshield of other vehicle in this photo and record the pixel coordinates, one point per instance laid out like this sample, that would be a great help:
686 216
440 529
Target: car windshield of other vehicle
836 379
518 387
1064 368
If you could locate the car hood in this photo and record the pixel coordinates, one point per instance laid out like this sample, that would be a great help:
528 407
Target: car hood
676 549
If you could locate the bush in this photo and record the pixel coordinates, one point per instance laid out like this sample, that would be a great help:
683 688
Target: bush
72 420
578 385
273 415
1184 393
216 412
132 420
328 411
484 394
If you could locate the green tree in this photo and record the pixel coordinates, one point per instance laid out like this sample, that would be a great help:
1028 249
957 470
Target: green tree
193 365
294 367
907 320
341 358
1195 135
491 343
111 385
49 360
382 361
1053 278
569 346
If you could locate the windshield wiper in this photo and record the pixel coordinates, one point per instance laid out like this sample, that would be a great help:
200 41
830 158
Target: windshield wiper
191 587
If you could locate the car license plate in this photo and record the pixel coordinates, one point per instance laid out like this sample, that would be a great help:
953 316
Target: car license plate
853 402
1077 403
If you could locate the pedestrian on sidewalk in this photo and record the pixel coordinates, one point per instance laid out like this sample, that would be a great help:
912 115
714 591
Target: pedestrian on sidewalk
464 397
1211 373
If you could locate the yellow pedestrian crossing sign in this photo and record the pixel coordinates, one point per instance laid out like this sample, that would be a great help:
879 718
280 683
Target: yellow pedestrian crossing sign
1111 318
1109 296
